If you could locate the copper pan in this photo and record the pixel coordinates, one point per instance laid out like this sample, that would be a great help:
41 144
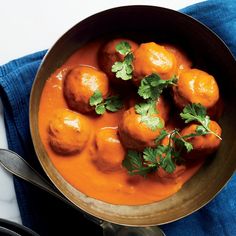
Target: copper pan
207 51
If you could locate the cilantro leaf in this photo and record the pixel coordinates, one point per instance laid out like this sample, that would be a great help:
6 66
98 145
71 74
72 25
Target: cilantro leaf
96 98
100 109
167 163
147 111
152 86
146 108
113 103
188 146
148 161
162 135
142 163
180 141
201 130
197 112
133 162
123 48
124 69
152 122
150 155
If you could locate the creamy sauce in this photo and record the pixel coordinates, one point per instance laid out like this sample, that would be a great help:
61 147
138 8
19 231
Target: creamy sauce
79 170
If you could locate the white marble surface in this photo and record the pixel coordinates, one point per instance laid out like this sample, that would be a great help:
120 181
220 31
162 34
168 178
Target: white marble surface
28 26
8 204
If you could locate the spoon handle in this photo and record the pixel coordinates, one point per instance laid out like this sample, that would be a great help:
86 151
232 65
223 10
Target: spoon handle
16 165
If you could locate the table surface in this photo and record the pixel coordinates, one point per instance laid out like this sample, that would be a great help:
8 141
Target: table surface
28 26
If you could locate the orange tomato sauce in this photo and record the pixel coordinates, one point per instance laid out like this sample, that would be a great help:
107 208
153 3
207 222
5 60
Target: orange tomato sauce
79 169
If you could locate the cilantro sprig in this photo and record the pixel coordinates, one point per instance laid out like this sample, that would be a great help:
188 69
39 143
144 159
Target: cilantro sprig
164 156
135 165
123 69
112 103
151 87
147 113
198 113
148 161
123 48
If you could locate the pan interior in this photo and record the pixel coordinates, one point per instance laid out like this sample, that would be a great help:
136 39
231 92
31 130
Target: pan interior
143 24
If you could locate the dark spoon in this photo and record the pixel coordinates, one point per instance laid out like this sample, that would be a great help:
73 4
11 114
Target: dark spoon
16 165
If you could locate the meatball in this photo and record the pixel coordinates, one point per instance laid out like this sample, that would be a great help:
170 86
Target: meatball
135 134
163 108
196 86
205 144
108 56
68 132
152 58
216 111
80 84
183 62
109 151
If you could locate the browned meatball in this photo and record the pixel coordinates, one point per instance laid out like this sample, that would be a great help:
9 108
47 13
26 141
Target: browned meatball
68 132
205 144
183 62
153 58
108 56
109 152
196 86
80 84
135 134
163 108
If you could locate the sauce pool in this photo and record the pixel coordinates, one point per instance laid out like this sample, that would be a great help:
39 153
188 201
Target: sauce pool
79 169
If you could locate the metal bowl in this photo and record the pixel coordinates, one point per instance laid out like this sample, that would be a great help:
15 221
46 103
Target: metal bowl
207 51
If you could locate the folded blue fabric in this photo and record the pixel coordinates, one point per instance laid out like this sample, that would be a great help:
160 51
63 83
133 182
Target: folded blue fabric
48 216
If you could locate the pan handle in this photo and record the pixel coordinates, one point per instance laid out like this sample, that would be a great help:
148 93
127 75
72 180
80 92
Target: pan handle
110 229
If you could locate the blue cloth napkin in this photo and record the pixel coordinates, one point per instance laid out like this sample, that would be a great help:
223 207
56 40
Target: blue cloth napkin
47 215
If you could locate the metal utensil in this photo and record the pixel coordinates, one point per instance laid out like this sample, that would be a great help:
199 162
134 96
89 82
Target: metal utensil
16 165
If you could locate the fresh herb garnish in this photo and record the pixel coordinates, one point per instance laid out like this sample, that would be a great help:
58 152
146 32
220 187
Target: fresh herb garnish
123 48
150 89
197 112
112 103
124 69
96 98
175 137
134 163
164 156
152 86
146 108
147 112
148 161
167 162
162 135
